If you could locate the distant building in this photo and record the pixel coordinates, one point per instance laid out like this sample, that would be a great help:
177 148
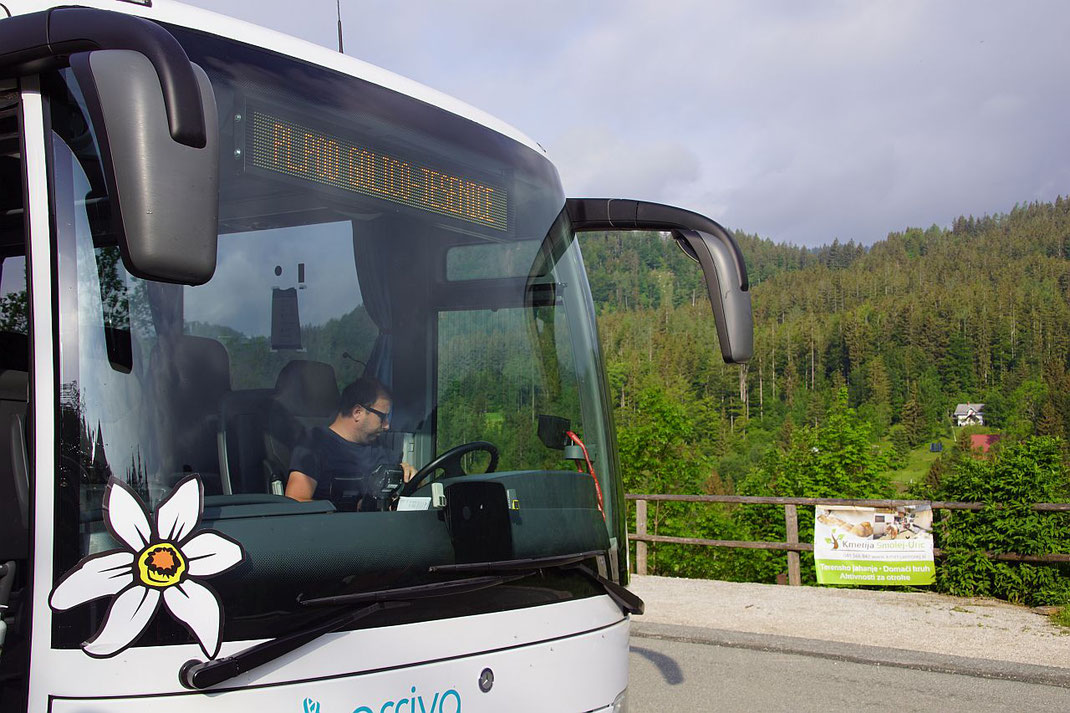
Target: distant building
969 415
984 441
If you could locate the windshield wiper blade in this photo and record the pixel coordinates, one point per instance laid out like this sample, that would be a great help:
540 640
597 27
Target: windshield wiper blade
420 591
199 675
524 565
627 601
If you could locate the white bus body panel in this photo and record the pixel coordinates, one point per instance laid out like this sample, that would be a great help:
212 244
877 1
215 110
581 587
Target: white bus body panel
43 396
376 670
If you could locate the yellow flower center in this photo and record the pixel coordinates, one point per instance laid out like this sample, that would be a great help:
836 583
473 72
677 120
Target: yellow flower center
161 565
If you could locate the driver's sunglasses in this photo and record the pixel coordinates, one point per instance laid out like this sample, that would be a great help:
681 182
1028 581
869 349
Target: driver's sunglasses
384 417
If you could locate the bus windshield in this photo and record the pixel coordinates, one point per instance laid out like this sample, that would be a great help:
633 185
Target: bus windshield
362 234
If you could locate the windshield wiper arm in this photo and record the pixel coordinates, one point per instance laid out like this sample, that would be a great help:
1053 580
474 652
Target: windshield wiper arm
627 601
199 675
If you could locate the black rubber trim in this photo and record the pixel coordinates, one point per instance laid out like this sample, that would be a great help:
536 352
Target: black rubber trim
589 214
45 40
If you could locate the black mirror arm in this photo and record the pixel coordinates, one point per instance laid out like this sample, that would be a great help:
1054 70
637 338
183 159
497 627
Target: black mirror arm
45 40
589 214
701 239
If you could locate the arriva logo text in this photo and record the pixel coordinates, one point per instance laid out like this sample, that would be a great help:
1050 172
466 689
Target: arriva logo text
447 702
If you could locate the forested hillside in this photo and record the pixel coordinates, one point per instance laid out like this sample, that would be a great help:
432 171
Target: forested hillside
860 355
915 324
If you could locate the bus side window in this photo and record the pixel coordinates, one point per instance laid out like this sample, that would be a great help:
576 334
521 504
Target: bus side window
14 396
14 340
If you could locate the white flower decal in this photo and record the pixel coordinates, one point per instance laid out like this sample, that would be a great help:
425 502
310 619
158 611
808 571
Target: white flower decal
163 560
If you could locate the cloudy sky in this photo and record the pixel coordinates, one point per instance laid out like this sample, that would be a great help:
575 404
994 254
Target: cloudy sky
800 121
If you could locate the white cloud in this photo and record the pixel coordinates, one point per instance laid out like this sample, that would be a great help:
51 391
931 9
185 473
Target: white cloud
599 162
799 120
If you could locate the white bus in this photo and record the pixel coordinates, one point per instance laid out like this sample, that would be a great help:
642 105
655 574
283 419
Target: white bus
208 231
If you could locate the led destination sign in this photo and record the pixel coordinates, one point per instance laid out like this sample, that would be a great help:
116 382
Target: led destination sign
285 147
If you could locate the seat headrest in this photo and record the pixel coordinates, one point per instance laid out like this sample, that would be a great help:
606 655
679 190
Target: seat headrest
14 351
308 388
197 362
14 386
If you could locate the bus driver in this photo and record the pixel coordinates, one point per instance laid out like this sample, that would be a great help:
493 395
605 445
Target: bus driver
346 448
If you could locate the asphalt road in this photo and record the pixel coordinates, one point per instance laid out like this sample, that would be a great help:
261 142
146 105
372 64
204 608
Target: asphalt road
672 675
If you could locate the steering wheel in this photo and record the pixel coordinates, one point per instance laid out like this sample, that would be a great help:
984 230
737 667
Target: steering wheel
450 463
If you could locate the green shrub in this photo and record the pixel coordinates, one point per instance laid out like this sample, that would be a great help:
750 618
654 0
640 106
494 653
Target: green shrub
835 460
1022 474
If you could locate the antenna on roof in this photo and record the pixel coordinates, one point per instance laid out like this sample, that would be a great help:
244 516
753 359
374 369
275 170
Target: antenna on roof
338 7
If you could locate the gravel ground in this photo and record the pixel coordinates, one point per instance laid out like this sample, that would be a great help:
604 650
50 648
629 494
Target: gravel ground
934 623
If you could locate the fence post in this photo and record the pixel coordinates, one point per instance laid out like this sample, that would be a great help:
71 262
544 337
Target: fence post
791 527
640 529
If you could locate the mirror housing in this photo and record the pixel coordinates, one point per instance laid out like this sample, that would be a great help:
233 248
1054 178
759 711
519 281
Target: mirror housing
164 194
704 241
155 117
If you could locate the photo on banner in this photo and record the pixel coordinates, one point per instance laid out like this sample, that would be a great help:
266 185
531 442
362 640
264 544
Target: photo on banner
874 546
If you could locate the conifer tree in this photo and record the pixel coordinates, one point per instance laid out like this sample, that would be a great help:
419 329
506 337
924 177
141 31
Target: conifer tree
913 417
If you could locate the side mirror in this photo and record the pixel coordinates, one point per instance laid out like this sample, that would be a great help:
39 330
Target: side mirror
155 117
704 241
164 194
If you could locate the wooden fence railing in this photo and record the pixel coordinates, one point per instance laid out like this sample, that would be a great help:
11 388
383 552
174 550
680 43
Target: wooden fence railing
792 546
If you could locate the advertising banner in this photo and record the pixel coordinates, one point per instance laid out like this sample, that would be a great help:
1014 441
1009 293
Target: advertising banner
877 546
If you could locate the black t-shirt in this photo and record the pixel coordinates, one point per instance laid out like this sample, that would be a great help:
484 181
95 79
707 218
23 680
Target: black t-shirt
323 455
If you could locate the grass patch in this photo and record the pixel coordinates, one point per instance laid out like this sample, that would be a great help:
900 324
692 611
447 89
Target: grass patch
1062 617
917 466
921 458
